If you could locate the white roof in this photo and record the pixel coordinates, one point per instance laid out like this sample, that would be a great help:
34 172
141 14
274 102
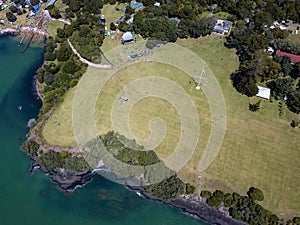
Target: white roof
157 4
127 36
263 92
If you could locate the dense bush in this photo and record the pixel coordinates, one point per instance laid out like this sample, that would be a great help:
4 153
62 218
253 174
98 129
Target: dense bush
30 147
168 189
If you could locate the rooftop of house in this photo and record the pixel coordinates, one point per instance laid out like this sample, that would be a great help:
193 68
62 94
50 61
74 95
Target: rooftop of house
294 58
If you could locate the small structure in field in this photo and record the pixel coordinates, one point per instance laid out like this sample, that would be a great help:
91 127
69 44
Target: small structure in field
127 37
263 92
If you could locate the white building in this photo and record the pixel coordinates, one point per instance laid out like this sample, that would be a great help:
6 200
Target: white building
263 92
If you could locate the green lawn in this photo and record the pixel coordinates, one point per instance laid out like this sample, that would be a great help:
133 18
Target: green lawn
111 16
52 27
260 149
148 108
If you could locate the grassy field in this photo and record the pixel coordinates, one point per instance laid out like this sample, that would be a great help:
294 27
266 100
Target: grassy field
111 16
260 149
52 27
143 111
294 39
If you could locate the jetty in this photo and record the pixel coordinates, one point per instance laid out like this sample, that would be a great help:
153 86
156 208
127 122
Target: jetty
33 32
22 39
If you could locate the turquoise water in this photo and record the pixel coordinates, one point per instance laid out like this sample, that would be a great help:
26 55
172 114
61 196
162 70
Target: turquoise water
26 199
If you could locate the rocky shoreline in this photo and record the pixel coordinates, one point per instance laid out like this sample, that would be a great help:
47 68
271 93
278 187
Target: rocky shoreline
65 180
195 206
192 205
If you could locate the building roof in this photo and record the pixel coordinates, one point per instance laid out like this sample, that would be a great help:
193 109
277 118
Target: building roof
135 5
127 36
294 58
218 28
263 92
51 2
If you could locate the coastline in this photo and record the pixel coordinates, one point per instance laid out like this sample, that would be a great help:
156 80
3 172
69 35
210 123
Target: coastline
194 206
37 90
9 31
69 181
65 180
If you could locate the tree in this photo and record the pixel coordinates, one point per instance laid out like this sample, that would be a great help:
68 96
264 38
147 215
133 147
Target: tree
294 123
19 12
13 9
189 189
40 75
281 87
112 27
228 200
285 63
70 67
48 78
50 56
293 101
255 106
69 13
64 52
34 2
255 194
245 82
203 27
50 45
61 33
54 12
11 17
129 10
205 194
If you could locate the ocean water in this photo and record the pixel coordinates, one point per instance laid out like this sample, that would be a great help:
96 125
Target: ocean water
33 199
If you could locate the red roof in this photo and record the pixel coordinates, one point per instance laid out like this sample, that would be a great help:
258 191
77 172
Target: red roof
294 58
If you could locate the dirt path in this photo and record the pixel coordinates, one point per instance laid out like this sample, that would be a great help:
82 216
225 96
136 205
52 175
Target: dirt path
100 66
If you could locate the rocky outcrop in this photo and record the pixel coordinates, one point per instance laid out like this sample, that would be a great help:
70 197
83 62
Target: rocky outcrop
65 180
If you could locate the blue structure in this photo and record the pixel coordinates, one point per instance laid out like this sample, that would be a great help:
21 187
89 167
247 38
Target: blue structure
36 8
135 5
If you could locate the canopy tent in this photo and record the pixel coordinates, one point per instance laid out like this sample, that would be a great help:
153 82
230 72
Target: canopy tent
263 92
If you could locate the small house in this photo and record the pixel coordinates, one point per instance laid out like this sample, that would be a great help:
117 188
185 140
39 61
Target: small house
222 26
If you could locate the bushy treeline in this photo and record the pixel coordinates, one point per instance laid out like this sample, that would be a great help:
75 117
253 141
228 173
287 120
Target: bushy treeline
51 160
170 188
85 32
251 39
246 208
174 19
130 153
30 147
61 72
